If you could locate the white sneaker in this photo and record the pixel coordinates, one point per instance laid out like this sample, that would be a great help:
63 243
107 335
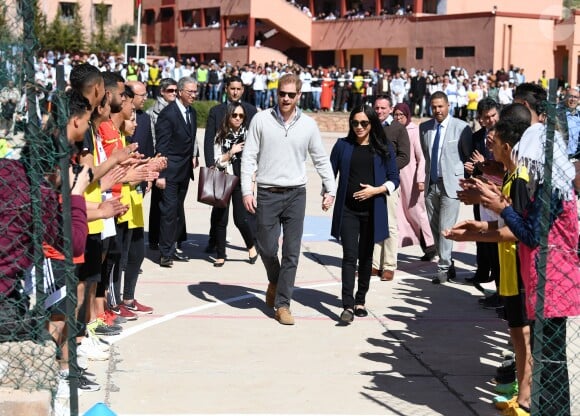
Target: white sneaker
90 351
63 390
82 362
96 341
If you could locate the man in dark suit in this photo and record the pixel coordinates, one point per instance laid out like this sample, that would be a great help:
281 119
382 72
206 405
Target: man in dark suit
417 92
446 143
385 252
234 93
175 132
486 253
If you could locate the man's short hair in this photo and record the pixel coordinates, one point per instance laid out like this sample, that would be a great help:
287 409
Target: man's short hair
513 121
78 104
83 76
486 104
290 79
233 78
185 80
111 79
439 95
384 97
532 94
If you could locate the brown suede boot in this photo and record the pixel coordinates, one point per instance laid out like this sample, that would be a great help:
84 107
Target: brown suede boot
284 316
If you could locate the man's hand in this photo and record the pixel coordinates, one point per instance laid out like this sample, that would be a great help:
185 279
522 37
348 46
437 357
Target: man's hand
327 201
121 155
250 204
421 186
195 162
160 183
78 183
112 177
112 208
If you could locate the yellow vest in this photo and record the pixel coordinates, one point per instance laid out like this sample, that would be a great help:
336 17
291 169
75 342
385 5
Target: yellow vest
508 270
93 191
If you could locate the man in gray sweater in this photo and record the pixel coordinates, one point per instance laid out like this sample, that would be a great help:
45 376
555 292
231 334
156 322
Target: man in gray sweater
278 142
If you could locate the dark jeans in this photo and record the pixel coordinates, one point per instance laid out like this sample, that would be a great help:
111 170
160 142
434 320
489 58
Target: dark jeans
278 211
244 221
356 235
131 260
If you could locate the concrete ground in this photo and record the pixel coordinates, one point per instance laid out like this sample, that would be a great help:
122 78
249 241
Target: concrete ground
213 347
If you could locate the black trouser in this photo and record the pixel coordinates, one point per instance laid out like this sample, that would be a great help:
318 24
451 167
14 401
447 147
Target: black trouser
172 219
487 256
357 237
131 260
244 221
153 234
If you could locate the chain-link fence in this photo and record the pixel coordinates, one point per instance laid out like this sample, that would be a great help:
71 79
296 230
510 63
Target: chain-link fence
36 266
549 262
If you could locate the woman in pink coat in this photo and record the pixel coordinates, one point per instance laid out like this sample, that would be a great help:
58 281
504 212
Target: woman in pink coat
414 225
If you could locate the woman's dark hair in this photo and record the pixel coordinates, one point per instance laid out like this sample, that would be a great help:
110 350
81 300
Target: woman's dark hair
225 126
377 137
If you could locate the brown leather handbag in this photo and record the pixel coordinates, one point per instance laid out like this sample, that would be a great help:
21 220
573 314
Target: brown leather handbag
215 187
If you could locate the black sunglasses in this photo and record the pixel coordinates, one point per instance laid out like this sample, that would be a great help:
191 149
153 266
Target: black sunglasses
171 90
292 95
238 115
364 123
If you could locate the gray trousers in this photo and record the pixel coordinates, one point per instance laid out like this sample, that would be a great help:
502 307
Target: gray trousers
275 212
443 213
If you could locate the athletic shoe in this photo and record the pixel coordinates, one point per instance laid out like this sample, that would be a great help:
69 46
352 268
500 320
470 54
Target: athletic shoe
137 307
113 318
87 385
99 327
122 311
88 350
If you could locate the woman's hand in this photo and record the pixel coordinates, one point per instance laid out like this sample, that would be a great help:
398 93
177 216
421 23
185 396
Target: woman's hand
237 148
367 192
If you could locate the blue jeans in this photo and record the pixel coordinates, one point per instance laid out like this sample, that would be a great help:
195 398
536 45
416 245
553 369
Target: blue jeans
316 100
259 98
276 212
271 97
213 92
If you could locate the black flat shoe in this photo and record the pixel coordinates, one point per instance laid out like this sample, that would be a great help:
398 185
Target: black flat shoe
347 316
252 260
361 312
219 264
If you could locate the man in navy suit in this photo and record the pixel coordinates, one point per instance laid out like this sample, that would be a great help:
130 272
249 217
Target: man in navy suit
175 133
446 143
215 118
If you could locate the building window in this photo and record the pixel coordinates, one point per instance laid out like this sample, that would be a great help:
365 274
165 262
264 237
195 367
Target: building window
67 10
459 51
418 53
104 12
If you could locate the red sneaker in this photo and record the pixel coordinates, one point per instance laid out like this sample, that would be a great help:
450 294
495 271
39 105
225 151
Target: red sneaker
137 307
121 310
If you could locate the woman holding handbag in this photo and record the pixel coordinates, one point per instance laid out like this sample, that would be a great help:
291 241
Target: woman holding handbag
228 146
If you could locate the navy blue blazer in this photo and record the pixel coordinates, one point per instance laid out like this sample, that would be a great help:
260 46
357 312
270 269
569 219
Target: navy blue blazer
384 170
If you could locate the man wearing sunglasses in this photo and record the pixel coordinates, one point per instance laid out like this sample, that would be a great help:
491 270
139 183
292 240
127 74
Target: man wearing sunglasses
282 137
215 118
175 132
167 94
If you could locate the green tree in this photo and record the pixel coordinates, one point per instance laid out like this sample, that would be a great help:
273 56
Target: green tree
100 41
65 34
572 4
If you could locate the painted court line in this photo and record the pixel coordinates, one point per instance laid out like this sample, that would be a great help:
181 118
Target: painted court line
165 318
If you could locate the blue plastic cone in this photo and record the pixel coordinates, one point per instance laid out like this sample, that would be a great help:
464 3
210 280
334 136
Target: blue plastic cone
100 409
